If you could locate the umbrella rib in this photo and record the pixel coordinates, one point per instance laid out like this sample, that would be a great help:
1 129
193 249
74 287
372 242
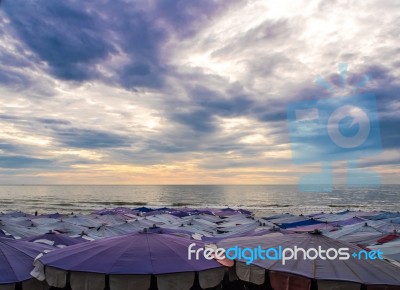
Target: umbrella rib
8 262
151 257
18 249
70 268
116 260
366 261
185 261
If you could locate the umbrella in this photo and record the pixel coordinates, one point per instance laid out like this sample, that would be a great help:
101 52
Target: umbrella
21 221
43 221
54 239
64 227
143 209
110 219
278 216
16 260
347 222
391 250
83 221
16 214
142 254
307 222
385 215
361 271
18 231
357 233
104 232
323 227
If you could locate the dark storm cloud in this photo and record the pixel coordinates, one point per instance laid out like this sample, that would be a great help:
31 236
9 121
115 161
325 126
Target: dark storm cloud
62 34
206 104
200 121
214 102
72 37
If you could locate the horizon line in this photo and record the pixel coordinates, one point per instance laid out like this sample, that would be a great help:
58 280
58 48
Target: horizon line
186 184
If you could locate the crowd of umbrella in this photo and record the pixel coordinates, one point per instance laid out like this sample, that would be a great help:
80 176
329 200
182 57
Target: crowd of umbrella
144 248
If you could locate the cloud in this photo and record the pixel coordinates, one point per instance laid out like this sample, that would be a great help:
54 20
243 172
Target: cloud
23 162
65 36
202 84
86 138
77 40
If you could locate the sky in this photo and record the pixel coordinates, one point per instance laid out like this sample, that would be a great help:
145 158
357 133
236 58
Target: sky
183 92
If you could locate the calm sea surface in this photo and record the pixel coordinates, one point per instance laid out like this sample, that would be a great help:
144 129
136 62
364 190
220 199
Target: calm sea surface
262 199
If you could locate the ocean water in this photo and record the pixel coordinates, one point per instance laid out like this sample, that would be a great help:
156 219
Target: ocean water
262 199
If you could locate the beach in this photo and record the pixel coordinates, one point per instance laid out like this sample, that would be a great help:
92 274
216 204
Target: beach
71 245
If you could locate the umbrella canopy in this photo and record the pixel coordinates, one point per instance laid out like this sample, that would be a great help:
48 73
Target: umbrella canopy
54 239
348 222
16 259
323 227
21 221
84 221
357 233
110 219
141 253
307 222
143 209
369 272
390 250
385 215
43 221
18 231
64 227
104 232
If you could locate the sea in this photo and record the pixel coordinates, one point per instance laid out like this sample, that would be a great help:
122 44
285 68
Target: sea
261 199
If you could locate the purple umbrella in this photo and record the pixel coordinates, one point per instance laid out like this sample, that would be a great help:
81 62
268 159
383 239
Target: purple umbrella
133 257
16 258
369 272
54 239
244 211
161 210
112 211
140 253
2 234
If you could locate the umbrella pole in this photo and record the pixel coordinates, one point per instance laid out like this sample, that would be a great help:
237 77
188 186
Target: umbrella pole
68 285
314 284
153 282
107 282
